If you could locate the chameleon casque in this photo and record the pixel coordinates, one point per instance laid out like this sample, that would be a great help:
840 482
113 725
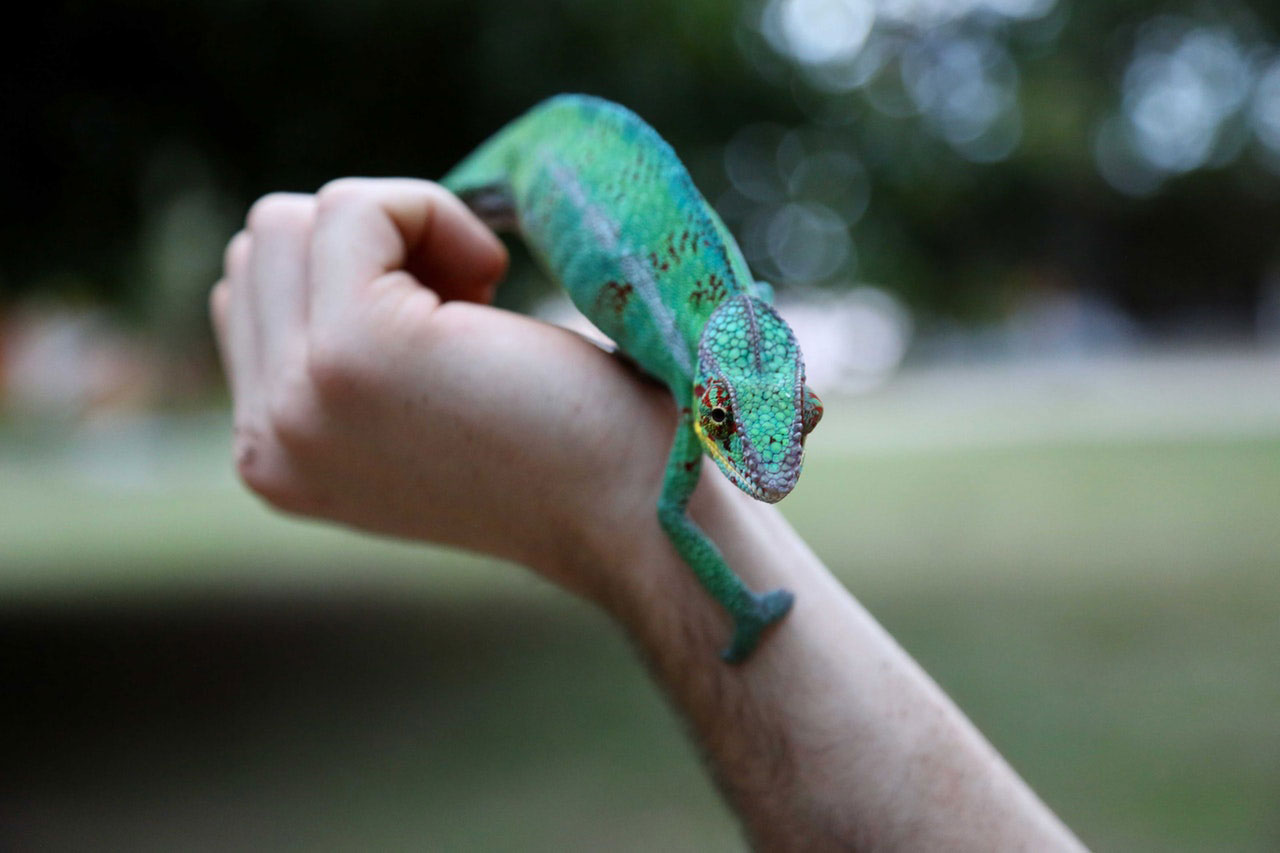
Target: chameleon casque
606 206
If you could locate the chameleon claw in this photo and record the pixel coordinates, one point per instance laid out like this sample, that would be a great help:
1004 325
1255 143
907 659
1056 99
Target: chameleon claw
748 627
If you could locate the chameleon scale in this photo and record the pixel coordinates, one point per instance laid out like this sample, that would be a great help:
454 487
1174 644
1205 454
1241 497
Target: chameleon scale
606 206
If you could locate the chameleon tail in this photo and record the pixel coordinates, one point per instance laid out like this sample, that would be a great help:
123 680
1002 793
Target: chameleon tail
482 181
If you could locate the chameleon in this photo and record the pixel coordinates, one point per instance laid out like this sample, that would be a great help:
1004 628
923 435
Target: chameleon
607 208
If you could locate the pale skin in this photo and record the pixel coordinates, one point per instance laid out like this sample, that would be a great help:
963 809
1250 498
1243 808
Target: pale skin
373 386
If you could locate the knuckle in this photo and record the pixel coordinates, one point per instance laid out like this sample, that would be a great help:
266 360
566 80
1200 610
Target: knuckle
293 420
342 192
264 473
219 295
275 209
250 458
236 255
330 369
295 434
280 494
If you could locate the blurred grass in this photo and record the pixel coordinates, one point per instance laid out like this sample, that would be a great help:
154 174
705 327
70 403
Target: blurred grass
186 670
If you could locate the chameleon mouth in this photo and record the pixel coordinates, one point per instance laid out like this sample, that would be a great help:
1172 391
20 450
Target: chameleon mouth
746 484
737 476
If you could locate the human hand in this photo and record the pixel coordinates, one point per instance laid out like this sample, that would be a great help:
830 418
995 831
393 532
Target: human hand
370 389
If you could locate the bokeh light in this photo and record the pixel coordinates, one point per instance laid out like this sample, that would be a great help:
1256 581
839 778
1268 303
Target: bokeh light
1265 109
853 341
966 87
1191 96
794 194
818 32
962 81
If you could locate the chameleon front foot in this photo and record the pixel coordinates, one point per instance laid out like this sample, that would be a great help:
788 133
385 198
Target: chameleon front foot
762 612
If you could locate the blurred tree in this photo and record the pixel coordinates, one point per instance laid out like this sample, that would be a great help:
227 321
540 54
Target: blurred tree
262 96
947 151
1127 149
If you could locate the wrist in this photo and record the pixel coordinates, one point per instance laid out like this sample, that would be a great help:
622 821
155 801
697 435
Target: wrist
599 528
649 589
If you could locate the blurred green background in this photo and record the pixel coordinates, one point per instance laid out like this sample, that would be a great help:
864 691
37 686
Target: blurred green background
1030 249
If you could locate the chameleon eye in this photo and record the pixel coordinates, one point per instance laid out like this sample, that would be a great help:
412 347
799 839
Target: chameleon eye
719 415
812 411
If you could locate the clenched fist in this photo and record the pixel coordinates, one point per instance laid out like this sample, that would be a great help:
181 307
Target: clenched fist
373 387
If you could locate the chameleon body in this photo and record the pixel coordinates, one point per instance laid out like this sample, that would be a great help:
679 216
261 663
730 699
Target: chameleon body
606 206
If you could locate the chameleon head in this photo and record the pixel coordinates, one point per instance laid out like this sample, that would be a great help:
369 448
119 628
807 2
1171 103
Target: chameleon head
752 408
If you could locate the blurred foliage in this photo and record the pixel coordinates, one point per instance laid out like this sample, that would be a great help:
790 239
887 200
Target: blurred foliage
183 671
135 124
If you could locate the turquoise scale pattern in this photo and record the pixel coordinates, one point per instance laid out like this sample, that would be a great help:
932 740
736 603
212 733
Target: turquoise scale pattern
750 365
608 208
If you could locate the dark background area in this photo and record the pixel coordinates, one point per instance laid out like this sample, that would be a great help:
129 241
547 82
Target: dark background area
113 110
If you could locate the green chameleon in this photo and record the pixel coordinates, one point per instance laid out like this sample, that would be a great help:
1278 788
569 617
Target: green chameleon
607 207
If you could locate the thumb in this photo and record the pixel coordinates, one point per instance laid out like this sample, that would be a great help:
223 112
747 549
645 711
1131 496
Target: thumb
456 254
366 228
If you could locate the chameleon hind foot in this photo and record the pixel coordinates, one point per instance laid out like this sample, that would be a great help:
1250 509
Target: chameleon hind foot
762 612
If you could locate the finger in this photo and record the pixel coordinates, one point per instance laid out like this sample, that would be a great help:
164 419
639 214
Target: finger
457 255
238 337
219 301
235 257
365 228
277 271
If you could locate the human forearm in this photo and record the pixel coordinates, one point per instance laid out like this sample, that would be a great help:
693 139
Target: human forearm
366 391
831 736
